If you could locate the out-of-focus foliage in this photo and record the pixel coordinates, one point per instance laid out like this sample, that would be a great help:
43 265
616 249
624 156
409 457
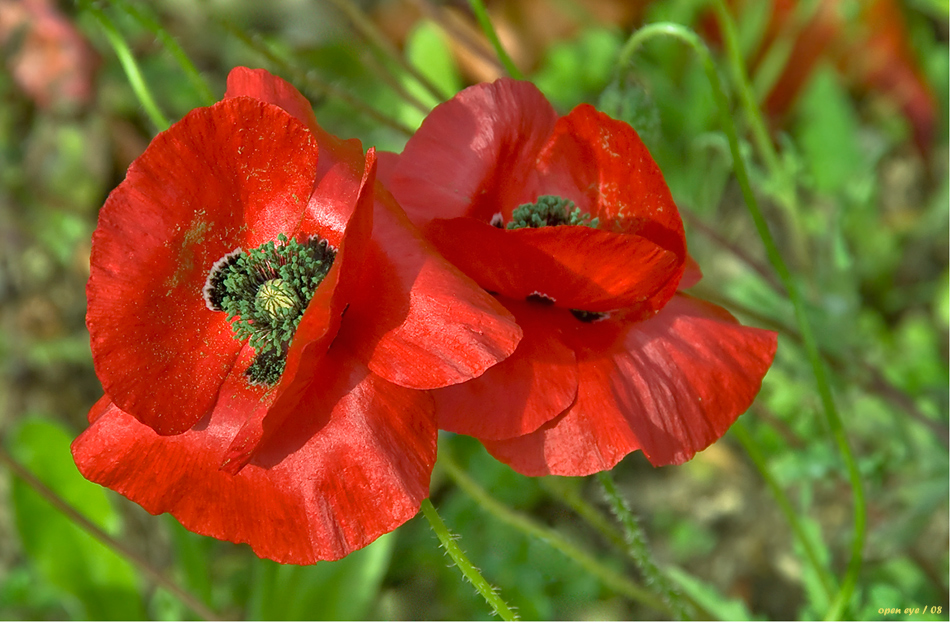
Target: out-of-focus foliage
866 238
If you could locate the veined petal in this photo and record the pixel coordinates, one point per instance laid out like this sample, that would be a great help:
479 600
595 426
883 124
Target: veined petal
575 267
523 392
474 154
353 465
230 176
602 165
670 386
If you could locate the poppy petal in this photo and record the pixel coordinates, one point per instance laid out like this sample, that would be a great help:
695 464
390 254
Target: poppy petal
352 466
622 186
474 154
422 323
670 386
526 390
230 176
317 329
266 87
576 267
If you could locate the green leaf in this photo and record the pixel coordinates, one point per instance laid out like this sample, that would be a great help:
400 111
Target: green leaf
577 70
342 590
65 555
428 51
709 598
828 133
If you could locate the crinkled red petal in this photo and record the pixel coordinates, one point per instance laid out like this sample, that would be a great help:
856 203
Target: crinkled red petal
523 392
425 324
670 386
341 161
601 164
234 175
576 267
316 331
474 155
351 466
421 322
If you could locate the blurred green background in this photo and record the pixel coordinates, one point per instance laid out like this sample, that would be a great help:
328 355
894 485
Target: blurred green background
858 199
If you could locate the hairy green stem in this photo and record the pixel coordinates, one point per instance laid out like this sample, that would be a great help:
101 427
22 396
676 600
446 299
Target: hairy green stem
129 65
172 47
824 575
523 523
78 519
470 572
835 425
481 14
636 545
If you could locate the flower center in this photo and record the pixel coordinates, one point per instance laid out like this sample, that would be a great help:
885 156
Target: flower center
265 292
550 211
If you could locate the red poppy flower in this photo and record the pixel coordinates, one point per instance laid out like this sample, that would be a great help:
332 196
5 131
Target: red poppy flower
569 222
262 314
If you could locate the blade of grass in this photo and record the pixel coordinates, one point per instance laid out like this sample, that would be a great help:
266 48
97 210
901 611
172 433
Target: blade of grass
93 530
171 46
824 575
309 79
129 65
835 425
377 39
458 32
481 15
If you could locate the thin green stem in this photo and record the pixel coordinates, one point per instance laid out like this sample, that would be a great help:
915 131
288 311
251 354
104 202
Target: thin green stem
458 32
129 65
760 133
559 487
371 33
470 572
77 518
636 545
824 575
519 521
310 80
481 14
785 189
172 47
775 258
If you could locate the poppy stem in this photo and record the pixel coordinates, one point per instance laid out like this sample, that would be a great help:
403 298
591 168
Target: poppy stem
841 601
563 491
636 546
826 578
74 515
129 65
469 571
171 46
481 14
525 524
